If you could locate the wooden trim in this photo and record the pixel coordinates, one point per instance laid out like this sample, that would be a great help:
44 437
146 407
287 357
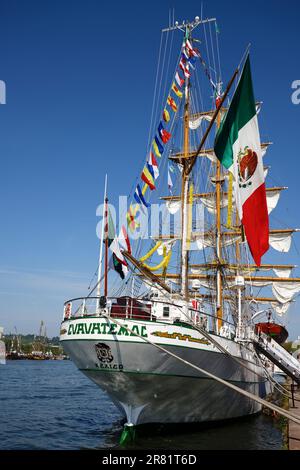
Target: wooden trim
203 152
206 195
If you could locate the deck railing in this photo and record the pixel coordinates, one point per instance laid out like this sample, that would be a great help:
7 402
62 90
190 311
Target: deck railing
138 309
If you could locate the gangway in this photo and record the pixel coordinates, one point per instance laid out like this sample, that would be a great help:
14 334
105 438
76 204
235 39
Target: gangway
278 355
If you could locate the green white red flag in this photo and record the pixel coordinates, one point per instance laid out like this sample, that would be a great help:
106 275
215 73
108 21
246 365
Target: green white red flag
238 148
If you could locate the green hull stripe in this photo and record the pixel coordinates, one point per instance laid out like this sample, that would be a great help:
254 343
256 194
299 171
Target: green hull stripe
182 325
144 342
133 372
188 327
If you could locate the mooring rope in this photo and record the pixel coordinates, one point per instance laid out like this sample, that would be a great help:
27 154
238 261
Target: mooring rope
273 407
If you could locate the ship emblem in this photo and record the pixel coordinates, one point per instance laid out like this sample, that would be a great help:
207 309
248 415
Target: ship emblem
247 163
103 353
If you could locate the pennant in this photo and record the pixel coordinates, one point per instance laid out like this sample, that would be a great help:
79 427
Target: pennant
182 64
172 103
192 52
119 267
124 239
170 182
184 59
115 248
166 115
192 61
150 168
152 163
109 228
186 71
118 261
158 148
176 91
206 71
148 178
184 68
185 52
139 197
218 101
179 80
218 94
164 135
132 224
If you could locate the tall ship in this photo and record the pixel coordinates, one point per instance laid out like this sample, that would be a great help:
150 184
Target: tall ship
176 341
39 346
14 351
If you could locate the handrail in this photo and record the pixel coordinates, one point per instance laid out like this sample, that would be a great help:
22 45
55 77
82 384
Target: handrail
165 302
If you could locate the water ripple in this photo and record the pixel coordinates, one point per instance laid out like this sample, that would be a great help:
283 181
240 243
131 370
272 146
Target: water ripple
51 405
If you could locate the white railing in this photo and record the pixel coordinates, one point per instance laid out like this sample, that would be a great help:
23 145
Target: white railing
112 306
138 309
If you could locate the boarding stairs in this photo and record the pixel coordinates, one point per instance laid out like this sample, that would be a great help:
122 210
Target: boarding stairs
278 355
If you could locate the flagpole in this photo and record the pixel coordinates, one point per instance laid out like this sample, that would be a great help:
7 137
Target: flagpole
219 180
106 247
194 158
101 246
184 190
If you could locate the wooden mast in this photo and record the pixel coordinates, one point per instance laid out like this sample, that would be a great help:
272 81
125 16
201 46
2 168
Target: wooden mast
106 247
188 161
230 277
218 181
225 193
101 245
246 266
184 193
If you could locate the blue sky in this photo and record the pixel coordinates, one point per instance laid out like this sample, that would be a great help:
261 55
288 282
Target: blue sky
80 77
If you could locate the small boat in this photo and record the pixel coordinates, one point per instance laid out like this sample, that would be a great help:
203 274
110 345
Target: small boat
2 347
278 332
15 352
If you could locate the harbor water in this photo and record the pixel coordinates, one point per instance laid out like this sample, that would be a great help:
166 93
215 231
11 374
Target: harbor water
51 405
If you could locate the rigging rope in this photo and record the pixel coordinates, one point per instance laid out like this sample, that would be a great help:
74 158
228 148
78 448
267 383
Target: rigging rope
155 91
150 252
164 263
276 408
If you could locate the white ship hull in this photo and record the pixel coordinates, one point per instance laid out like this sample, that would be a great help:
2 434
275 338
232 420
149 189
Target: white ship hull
2 352
149 386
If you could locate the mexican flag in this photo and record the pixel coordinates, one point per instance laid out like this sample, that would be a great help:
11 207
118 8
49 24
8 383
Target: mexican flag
238 148
117 260
120 243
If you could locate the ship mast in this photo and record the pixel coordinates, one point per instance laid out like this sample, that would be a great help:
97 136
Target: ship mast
101 245
184 192
219 181
222 269
187 163
188 159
